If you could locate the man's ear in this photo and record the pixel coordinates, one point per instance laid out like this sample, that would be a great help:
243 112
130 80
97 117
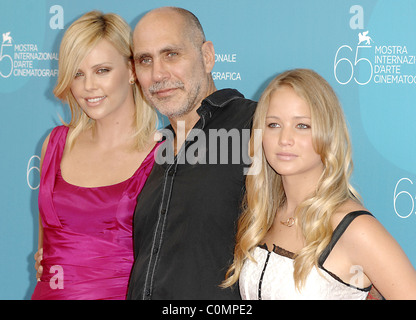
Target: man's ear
208 54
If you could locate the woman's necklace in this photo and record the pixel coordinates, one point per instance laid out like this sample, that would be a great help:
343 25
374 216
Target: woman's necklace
289 222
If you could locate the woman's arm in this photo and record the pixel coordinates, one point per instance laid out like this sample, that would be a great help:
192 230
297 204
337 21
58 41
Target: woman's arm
39 254
383 260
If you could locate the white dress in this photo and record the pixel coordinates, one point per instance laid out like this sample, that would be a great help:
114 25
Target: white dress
271 276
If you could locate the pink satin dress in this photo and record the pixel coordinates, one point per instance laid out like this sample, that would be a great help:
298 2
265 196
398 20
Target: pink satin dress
88 244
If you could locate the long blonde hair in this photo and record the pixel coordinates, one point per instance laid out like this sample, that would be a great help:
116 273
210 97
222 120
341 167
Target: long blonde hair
77 42
265 193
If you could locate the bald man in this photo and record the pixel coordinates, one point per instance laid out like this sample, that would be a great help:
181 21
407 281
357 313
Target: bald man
186 214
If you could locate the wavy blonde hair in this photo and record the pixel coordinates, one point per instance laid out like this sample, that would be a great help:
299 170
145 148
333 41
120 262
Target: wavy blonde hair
77 42
265 193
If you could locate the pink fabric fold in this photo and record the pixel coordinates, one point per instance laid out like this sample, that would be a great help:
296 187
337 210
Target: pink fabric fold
78 266
88 245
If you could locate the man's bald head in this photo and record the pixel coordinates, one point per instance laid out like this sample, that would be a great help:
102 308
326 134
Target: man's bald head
192 28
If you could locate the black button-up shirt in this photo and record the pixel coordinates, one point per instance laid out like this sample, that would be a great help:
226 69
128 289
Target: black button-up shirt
185 219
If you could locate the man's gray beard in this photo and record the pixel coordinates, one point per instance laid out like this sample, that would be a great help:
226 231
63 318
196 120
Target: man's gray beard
189 105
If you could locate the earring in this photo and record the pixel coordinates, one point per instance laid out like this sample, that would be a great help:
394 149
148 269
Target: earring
131 81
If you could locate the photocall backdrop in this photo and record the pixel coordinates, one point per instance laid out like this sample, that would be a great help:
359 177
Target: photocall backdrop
365 49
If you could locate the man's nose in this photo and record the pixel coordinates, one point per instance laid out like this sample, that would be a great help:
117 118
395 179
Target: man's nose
160 71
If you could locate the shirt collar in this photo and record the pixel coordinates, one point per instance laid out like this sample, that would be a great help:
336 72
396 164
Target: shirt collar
221 97
218 99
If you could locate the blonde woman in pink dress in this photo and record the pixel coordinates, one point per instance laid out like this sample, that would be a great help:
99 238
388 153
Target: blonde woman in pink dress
93 168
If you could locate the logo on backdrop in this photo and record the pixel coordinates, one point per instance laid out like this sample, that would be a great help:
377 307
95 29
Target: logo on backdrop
371 61
33 172
403 198
363 37
380 57
25 59
226 59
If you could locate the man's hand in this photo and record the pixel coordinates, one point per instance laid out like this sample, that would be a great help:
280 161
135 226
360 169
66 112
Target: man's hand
38 266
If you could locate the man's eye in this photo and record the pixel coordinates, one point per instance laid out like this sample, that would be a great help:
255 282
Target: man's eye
172 54
145 61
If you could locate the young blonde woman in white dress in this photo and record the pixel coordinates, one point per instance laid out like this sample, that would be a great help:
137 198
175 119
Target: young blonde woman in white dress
304 233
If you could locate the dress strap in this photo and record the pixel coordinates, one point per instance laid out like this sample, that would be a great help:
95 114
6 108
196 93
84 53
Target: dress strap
338 232
50 166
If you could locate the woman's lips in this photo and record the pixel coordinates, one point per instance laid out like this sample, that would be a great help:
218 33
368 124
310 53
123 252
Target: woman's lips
95 100
286 156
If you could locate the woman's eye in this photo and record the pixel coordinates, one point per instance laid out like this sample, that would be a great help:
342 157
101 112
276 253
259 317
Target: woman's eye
273 125
103 70
78 74
303 126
